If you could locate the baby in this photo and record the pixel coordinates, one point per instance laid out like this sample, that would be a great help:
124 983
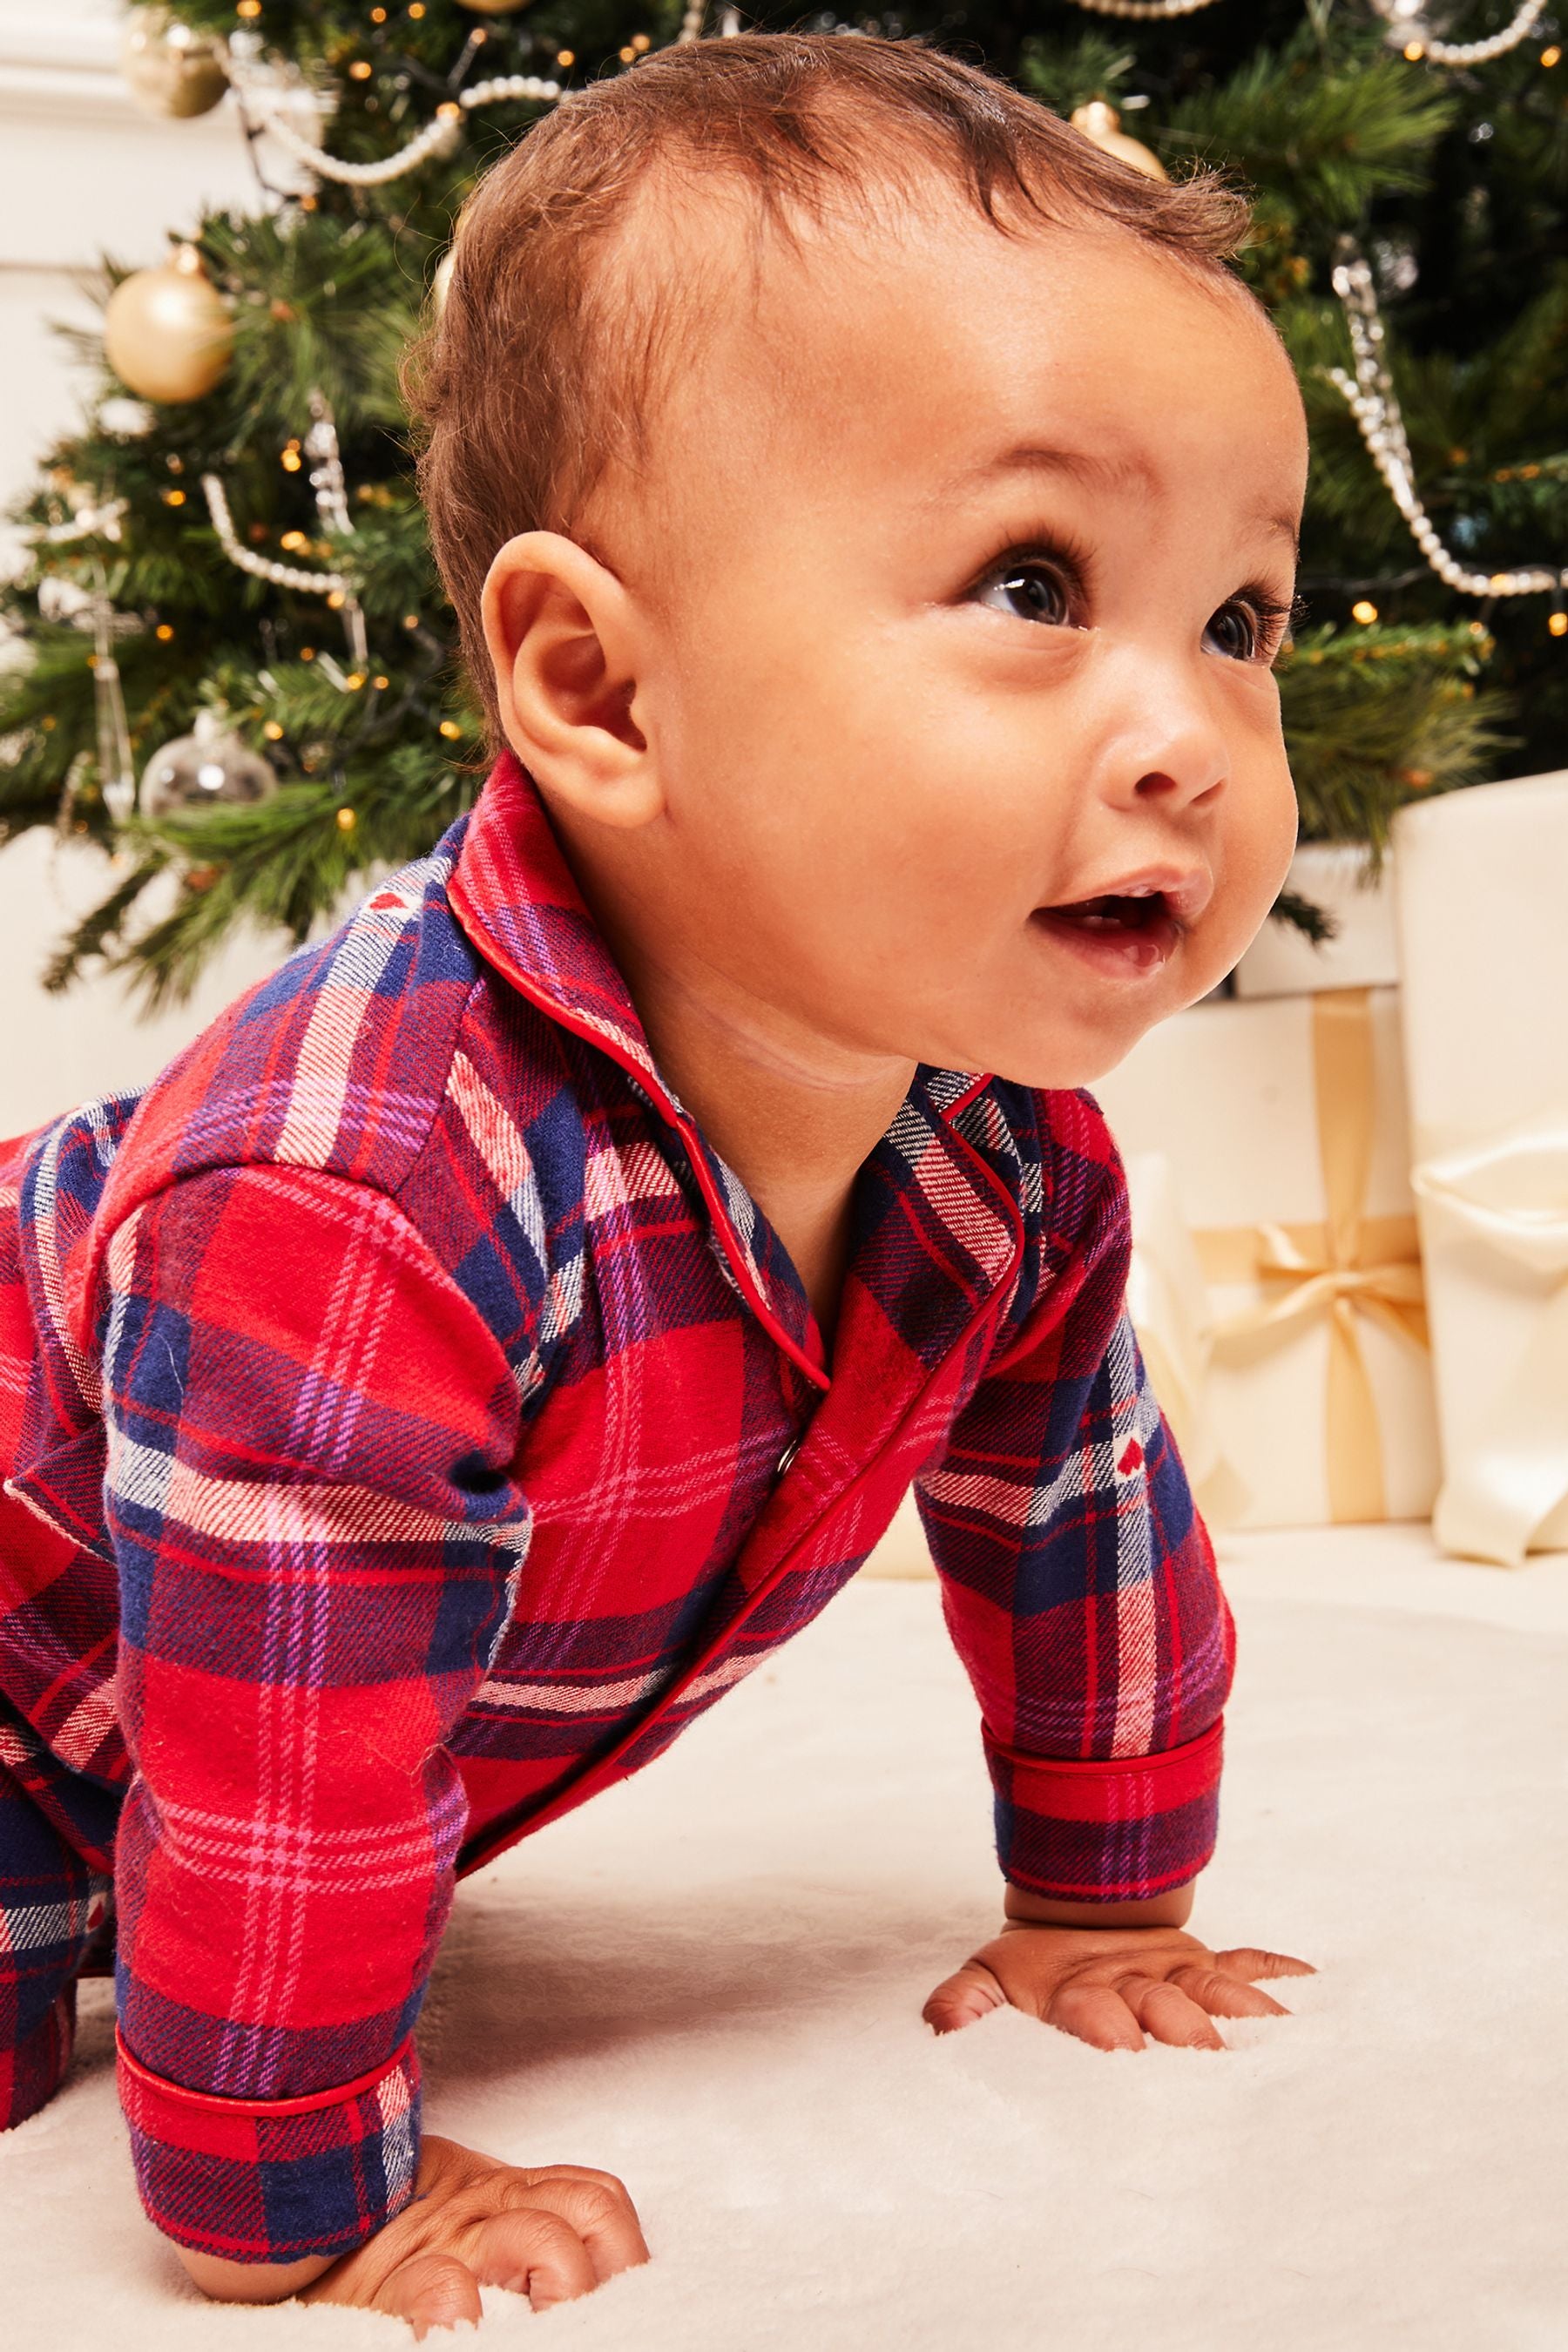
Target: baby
871 516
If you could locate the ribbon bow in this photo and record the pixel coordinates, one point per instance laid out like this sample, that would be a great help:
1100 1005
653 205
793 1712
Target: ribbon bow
1508 1200
1347 1266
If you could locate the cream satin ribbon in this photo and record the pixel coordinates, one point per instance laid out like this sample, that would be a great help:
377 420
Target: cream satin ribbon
1508 1199
1348 1265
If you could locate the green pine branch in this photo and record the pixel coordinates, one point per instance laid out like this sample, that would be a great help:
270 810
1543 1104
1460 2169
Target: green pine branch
1316 143
1377 716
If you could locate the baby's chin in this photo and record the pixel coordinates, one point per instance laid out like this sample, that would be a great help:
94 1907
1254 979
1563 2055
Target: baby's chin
1075 1046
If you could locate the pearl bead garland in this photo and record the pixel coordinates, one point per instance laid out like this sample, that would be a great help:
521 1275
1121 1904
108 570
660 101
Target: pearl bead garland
1148 11
1407 22
442 132
439 136
286 575
1375 406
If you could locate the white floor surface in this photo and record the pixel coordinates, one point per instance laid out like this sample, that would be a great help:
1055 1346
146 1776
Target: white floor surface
709 1980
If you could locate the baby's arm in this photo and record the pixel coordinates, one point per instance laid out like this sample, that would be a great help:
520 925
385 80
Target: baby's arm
309 1491
1081 1589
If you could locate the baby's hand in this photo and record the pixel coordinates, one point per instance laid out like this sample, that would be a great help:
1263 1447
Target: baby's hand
1107 1985
550 2231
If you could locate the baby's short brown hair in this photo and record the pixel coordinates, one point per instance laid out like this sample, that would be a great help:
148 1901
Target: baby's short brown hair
547 359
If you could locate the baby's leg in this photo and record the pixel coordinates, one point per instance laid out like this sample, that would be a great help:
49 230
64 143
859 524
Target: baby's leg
51 1902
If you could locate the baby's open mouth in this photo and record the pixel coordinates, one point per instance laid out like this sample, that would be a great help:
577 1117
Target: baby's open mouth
1135 912
1123 934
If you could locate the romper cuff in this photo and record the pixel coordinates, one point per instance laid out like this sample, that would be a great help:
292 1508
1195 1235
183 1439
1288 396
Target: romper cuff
1106 1829
271 2180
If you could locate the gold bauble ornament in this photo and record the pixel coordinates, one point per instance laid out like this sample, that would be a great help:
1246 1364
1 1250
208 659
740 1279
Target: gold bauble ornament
171 68
493 8
166 331
1101 123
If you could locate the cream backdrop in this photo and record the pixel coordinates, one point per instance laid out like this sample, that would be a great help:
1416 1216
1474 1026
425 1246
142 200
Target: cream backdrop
81 171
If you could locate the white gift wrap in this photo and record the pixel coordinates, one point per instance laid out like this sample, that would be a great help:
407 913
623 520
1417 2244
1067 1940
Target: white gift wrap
1483 933
1363 951
1227 1092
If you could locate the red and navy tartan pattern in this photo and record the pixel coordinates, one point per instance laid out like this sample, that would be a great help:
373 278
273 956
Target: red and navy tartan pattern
52 1905
274 2180
412 1424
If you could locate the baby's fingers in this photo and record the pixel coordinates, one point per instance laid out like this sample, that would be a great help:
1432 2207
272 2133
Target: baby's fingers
970 1992
1097 2014
431 2290
1226 1996
533 2251
594 2205
1248 1961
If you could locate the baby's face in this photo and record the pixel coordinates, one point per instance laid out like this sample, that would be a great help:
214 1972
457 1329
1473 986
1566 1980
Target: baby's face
972 554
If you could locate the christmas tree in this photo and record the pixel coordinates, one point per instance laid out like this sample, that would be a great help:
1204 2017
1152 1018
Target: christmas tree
234 661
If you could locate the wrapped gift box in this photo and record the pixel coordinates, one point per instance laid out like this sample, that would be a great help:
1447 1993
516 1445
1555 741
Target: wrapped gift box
1284 1124
1484 946
1363 951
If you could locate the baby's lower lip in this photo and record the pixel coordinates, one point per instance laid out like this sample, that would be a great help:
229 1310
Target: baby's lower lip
1116 951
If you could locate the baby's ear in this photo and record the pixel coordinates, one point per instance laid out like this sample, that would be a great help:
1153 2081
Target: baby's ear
564 638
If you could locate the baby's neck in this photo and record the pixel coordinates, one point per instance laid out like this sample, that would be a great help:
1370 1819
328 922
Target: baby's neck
794 1128
796 1144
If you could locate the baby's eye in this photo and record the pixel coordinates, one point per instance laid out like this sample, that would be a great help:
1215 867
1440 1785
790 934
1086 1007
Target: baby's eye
1036 588
1252 626
1238 628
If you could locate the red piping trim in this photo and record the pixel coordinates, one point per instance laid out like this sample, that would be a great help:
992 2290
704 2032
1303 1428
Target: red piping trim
216 2105
727 1233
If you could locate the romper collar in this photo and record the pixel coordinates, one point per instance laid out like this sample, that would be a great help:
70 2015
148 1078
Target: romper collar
515 897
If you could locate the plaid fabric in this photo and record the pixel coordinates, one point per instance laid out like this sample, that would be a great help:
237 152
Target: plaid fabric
52 1905
273 2180
412 1424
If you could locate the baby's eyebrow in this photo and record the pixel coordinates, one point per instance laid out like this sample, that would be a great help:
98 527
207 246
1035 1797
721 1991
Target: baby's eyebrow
1032 456
1093 465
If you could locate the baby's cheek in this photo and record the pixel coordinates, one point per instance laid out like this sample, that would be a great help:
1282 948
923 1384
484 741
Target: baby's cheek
1260 844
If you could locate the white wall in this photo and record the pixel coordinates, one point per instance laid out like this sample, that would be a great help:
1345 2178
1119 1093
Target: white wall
82 171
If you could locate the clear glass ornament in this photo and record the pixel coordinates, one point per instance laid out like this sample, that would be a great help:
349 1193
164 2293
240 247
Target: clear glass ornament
209 768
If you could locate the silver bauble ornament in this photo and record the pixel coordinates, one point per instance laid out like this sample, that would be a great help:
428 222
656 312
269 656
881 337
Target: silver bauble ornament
171 68
208 767
1101 123
166 331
